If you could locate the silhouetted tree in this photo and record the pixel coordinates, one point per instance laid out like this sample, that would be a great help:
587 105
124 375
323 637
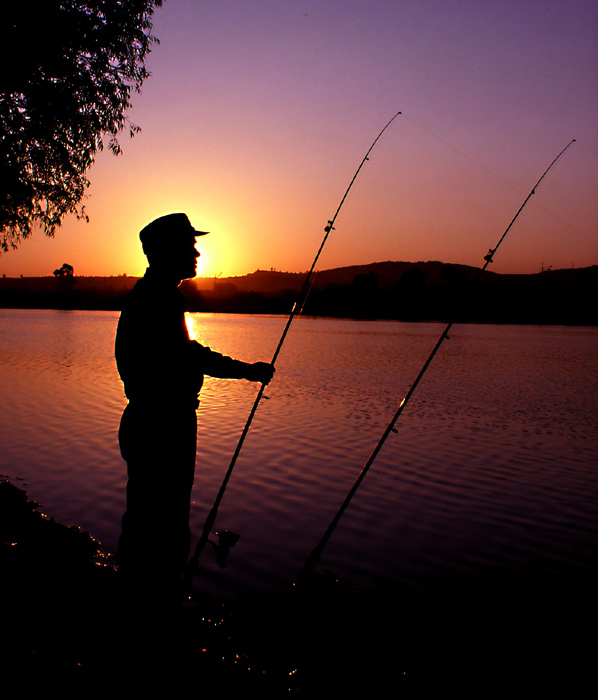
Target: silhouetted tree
65 271
69 67
65 278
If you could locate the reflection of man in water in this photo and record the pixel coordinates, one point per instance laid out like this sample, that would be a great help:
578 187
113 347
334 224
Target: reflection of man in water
162 371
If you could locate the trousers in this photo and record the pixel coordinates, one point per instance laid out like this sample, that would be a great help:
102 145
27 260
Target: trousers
159 445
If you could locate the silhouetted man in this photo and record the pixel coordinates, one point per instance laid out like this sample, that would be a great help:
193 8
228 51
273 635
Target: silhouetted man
162 371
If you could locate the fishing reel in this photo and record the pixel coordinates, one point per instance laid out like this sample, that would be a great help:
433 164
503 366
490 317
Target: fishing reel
226 541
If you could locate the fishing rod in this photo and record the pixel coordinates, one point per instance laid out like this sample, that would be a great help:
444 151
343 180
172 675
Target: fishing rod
314 557
297 308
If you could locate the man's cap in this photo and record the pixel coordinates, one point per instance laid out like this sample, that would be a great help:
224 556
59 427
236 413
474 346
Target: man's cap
166 229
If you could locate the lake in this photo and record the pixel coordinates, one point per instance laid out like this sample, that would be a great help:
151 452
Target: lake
491 474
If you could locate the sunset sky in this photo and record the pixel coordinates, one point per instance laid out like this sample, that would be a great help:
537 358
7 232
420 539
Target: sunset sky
258 112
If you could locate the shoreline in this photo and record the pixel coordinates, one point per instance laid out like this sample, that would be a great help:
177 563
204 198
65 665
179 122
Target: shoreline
373 319
410 292
63 623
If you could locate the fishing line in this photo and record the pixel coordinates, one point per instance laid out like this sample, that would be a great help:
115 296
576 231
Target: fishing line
313 558
297 307
461 153
497 177
591 150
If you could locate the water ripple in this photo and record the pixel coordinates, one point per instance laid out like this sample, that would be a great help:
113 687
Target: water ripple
492 467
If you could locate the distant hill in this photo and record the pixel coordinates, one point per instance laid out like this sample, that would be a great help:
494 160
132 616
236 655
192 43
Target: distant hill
415 291
425 290
388 274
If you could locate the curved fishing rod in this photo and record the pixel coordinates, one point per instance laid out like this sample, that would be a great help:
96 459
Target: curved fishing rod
297 307
314 557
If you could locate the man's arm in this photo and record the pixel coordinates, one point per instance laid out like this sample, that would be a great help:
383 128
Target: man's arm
260 372
216 365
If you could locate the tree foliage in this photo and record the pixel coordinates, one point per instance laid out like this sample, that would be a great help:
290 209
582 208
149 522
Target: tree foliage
69 69
65 271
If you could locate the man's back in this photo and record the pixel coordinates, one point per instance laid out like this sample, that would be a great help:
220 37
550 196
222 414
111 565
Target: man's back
156 359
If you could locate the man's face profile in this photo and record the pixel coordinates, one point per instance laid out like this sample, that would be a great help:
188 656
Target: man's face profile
191 254
169 244
182 257
177 258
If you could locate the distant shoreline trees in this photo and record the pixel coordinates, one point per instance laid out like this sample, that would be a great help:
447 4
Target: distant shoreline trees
424 291
69 69
65 271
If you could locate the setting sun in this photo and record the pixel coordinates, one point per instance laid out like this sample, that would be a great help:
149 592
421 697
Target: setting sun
356 167
256 140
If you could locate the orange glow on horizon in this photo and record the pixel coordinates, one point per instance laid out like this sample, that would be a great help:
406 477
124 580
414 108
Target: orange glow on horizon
258 143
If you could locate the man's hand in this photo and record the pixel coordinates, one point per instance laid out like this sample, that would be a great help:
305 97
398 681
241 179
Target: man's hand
260 372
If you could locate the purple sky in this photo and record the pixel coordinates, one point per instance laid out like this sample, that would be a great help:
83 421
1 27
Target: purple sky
258 112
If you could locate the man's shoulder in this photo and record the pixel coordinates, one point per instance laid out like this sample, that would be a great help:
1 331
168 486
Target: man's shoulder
148 290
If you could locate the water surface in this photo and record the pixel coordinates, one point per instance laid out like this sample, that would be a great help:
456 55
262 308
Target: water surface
492 472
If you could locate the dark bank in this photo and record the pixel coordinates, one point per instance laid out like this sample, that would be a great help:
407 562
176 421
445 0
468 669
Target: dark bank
422 291
480 637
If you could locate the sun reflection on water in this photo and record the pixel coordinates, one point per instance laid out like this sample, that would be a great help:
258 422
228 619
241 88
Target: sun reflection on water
190 326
